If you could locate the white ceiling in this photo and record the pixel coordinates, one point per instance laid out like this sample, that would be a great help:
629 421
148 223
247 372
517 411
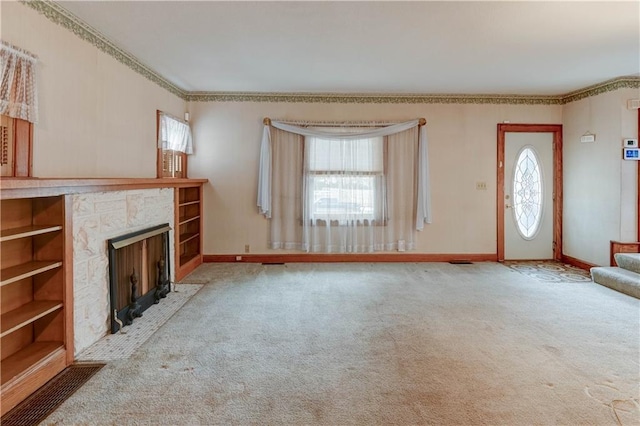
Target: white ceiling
507 47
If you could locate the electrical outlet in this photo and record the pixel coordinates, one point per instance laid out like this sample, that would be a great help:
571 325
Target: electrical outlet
238 258
247 248
481 186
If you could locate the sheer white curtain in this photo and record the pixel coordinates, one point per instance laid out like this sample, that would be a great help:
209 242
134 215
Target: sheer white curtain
174 134
18 90
286 201
402 188
344 190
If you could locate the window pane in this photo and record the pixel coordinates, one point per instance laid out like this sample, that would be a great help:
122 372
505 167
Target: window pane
527 193
345 179
335 196
362 155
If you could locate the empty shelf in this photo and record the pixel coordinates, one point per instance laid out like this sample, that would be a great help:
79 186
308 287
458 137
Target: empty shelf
27 231
27 313
26 358
25 270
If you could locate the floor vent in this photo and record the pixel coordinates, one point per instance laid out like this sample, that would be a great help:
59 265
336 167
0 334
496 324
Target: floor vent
45 400
461 262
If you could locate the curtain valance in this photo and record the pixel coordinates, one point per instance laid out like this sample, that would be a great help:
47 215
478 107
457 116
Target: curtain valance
174 134
423 212
18 90
346 135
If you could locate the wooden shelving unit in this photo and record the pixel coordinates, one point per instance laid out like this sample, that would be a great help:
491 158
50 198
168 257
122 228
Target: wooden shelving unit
27 231
188 232
36 328
36 270
26 314
26 270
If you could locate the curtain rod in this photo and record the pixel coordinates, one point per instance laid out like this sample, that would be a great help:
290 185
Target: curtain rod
267 121
20 52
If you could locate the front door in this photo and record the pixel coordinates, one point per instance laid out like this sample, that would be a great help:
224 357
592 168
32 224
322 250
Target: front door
528 195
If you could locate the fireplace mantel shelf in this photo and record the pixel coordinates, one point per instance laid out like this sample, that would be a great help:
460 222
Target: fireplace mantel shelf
11 188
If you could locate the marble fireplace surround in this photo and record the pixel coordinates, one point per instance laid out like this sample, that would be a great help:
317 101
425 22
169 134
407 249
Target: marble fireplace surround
101 209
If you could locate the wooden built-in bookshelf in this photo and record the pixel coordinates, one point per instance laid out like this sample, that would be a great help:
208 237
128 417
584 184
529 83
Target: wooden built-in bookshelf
36 302
36 270
188 229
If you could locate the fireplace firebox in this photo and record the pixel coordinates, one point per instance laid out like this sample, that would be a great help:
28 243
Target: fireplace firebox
139 273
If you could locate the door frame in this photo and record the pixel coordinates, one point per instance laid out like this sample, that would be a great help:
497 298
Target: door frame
556 130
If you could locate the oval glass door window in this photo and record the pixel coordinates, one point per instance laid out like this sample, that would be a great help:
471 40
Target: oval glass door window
527 193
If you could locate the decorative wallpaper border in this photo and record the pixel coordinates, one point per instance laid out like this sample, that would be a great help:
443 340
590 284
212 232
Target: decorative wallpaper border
371 98
628 82
59 15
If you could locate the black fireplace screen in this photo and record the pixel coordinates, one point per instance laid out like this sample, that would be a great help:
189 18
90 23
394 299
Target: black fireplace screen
139 273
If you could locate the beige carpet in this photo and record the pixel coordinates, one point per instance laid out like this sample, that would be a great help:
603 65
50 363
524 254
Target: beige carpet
377 344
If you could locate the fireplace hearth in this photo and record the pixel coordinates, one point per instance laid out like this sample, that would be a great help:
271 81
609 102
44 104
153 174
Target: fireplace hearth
139 271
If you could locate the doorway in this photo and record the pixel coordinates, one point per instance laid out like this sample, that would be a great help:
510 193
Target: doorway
529 191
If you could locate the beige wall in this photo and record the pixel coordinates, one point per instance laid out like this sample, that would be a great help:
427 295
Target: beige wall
599 187
97 117
462 144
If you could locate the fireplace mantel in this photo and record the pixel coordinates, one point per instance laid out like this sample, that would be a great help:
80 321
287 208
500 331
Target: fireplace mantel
11 188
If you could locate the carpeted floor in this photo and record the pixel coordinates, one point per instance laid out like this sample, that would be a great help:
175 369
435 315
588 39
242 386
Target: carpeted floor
377 344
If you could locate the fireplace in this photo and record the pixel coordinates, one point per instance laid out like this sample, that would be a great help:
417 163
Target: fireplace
139 273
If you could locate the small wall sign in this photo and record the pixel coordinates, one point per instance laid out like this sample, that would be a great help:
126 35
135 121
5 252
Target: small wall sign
630 143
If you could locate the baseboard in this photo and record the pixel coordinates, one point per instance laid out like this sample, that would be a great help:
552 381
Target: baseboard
577 262
354 257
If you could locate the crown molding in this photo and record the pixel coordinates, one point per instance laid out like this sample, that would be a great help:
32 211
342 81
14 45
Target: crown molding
631 82
626 82
59 15
371 98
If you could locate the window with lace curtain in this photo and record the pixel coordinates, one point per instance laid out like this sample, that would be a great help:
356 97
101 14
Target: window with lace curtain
174 144
345 179
18 109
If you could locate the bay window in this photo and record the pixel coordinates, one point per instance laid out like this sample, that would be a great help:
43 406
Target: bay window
344 189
